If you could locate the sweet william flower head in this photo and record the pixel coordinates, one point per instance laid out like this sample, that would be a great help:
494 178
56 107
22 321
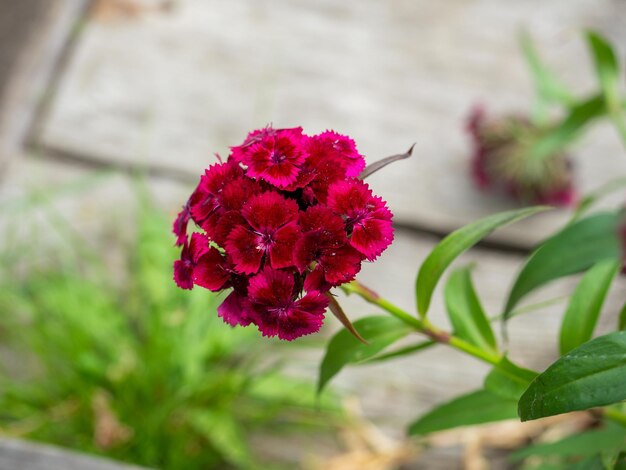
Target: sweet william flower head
282 221
501 162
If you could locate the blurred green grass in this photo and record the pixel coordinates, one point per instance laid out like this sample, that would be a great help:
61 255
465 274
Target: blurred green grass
125 364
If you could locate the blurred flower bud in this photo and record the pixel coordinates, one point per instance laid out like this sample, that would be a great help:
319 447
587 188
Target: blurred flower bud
501 162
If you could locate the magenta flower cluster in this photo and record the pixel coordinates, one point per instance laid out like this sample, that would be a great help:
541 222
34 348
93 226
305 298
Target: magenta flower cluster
283 220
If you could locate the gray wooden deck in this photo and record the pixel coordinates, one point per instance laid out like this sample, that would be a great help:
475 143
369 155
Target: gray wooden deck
19 455
166 88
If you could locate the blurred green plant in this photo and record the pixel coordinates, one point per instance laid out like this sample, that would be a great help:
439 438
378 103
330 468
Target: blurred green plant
578 112
129 366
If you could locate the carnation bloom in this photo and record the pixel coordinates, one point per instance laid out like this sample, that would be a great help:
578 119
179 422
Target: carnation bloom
283 220
501 161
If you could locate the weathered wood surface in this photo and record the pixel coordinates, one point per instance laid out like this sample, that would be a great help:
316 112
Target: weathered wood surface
168 87
20 455
35 34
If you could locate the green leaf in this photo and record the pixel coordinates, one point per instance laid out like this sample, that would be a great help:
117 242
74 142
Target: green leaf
477 407
379 332
574 249
606 64
569 128
583 310
465 311
508 380
607 69
591 375
585 444
223 432
456 243
548 87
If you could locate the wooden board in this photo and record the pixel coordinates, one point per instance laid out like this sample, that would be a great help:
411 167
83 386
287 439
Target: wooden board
168 87
34 34
21 455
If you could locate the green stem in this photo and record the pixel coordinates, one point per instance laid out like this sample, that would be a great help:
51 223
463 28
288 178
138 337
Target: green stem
421 325
372 297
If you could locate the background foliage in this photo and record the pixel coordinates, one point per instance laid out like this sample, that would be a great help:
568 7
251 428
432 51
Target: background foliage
125 364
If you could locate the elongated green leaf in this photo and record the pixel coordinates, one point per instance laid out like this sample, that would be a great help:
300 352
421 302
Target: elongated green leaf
607 69
591 375
478 407
379 332
465 311
583 310
508 380
606 65
548 87
224 433
575 248
456 243
585 444
570 128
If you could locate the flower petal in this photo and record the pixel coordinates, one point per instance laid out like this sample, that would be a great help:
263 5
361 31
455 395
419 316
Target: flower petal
344 149
269 211
271 288
275 156
183 274
210 271
372 236
242 246
179 228
198 246
281 249
349 198
235 310
341 265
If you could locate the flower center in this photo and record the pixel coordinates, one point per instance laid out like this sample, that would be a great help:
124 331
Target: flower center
265 240
277 157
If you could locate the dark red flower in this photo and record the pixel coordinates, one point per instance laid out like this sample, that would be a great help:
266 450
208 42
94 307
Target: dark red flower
325 245
271 229
368 221
191 253
235 309
343 149
283 221
206 199
278 311
180 225
274 155
331 157
211 270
